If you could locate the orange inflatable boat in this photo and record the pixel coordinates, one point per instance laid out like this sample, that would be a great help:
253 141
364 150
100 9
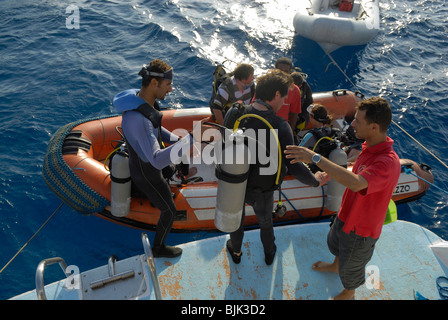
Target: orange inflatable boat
75 170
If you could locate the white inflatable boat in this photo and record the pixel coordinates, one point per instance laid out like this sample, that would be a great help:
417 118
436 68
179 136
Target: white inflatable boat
336 23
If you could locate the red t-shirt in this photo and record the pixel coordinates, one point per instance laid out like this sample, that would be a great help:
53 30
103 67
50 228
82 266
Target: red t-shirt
292 104
364 211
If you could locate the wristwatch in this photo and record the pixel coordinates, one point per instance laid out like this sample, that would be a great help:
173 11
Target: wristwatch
316 158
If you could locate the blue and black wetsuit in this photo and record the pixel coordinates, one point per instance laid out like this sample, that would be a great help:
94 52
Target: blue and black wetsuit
141 124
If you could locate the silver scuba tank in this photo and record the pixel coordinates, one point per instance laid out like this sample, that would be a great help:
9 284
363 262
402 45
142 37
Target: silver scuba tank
232 173
335 190
120 176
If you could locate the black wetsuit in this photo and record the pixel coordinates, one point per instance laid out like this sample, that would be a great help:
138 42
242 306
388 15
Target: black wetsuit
260 188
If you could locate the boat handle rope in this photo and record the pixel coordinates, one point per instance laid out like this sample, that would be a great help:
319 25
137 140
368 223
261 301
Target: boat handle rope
409 171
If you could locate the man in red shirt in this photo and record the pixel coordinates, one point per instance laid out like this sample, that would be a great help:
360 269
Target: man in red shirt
370 185
291 108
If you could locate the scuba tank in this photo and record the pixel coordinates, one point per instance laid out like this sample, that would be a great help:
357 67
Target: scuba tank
335 190
232 177
120 176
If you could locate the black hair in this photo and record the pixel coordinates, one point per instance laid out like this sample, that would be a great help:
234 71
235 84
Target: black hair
155 65
284 60
273 81
243 71
378 111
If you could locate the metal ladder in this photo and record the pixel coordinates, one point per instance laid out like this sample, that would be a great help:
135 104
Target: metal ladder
40 287
151 265
39 278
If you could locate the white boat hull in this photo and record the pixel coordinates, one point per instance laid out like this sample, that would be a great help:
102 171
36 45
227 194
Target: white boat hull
332 29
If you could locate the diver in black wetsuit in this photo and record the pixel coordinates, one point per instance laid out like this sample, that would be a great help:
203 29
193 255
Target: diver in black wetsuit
270 93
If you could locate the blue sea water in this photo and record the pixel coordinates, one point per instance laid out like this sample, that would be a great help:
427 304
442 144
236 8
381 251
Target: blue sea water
54 71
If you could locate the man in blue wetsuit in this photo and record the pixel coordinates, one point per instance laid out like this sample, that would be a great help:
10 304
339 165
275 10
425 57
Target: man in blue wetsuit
144 134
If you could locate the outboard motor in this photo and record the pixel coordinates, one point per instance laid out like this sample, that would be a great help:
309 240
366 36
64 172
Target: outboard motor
335 190
120 176
232 172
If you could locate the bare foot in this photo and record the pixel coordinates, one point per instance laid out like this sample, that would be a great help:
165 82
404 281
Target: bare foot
345 295
191 172
325 267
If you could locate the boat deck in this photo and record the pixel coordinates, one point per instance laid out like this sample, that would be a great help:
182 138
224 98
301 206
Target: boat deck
404 262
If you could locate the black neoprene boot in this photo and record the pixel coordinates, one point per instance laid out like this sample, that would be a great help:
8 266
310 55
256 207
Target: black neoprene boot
166 251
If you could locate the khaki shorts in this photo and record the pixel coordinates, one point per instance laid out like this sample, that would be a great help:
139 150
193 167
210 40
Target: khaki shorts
354 253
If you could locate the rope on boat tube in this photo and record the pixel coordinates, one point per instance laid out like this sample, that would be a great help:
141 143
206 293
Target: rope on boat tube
62 180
